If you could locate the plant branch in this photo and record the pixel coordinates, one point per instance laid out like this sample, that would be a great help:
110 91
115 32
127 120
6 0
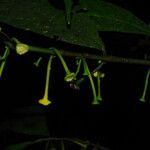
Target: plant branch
79 142
107 58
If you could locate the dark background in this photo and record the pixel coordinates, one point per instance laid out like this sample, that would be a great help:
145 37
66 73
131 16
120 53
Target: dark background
120 122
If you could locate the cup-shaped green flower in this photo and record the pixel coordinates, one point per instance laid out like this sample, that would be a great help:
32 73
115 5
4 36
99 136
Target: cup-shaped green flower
70 76
45 101
88 73
75 84
142 99
99 75
21 48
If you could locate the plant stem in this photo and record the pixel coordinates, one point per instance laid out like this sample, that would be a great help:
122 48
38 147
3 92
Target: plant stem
47 78
142 99
78 68
4 62
108 58
99 88
37 62
70 76
45 101
87 71
81 143
62 145
62 61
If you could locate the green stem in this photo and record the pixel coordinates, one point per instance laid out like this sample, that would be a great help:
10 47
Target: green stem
62 145
142 99
62 61
15 40
87 71
99 88
4 62
37 62
47 145
70 76
108 58
78 68
47 77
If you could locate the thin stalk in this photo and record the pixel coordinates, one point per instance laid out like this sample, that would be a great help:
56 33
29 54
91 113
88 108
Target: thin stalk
37 62
142 99
70 76
62 145
47 145
99 75
78 68
4 62
87 71
62 61
99 88
45 100
47 77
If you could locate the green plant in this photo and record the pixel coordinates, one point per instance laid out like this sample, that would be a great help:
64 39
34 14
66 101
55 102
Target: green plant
79 26
45 101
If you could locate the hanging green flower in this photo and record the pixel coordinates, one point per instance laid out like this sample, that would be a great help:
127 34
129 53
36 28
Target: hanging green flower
88 73
70 76
99 75
142 99
45 101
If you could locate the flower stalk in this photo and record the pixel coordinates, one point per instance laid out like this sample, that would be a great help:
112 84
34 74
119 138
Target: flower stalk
4 60
70 76
142 99
88 73
99 75
37 62
75 84
78 66
45 101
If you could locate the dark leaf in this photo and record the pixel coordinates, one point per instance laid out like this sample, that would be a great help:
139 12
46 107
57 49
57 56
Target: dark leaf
109 17
42 18
20 146
31 125
68 8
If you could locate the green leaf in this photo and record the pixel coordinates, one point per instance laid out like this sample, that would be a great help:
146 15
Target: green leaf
29 110
83 5
68 7
20 146
31 125
109 17
42 18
